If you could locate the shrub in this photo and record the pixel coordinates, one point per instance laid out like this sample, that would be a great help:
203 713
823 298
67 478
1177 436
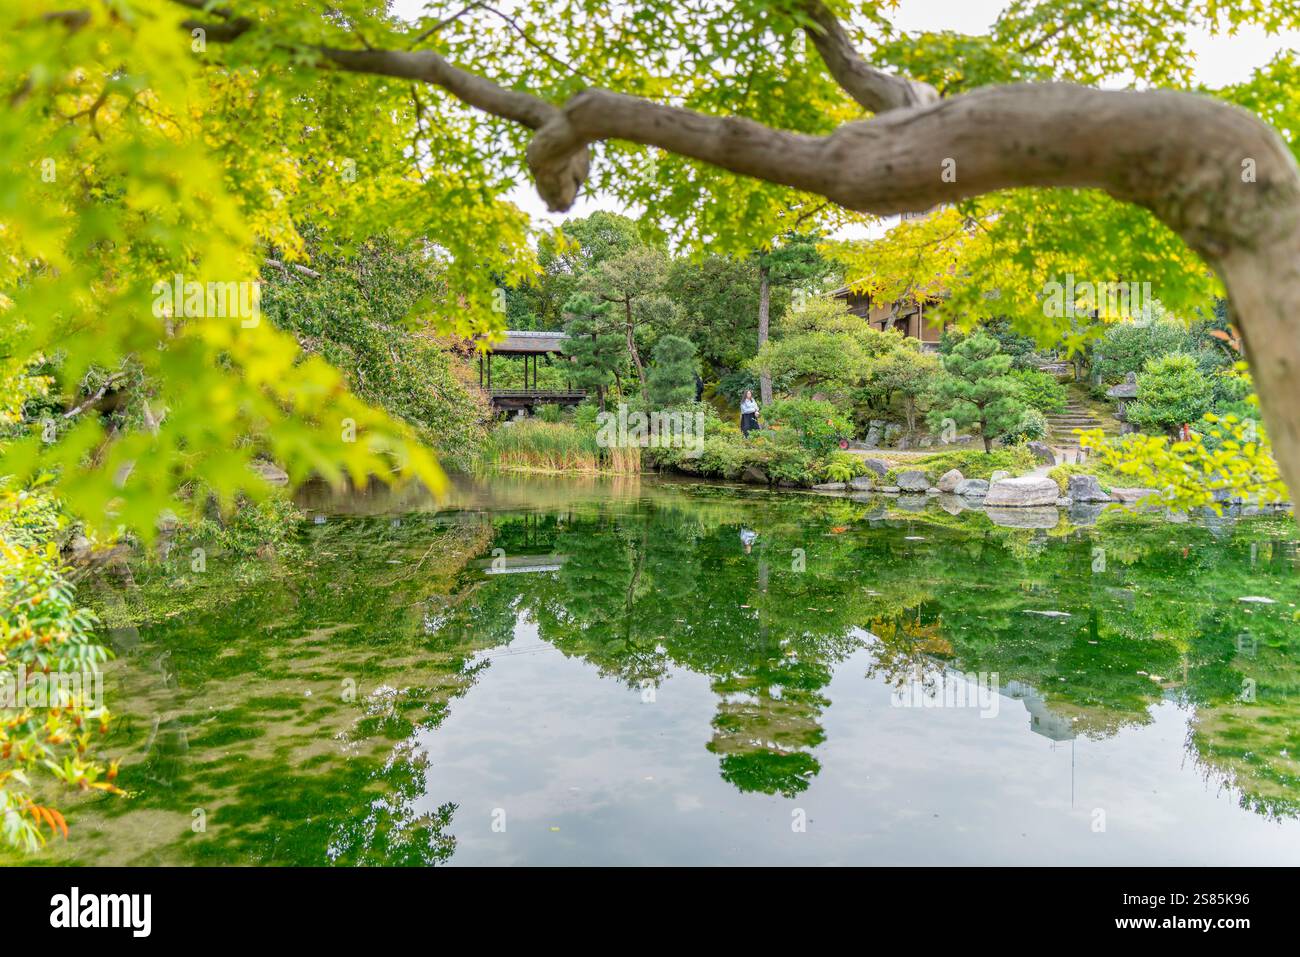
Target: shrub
818 425
1127 346
42 630
1171 391
843 467
1040 390
1032 428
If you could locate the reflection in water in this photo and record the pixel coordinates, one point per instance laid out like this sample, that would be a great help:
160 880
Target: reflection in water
289 714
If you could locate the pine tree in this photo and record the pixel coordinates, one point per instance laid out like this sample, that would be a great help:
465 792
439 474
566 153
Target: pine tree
594 347
976 389
672 376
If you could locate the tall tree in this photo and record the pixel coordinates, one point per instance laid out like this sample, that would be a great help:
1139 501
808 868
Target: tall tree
672 376
568 253
634 284
792 260
593 347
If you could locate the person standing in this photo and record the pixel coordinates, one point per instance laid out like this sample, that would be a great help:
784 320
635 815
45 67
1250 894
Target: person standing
748 413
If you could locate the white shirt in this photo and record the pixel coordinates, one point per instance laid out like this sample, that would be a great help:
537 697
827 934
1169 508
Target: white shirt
747 406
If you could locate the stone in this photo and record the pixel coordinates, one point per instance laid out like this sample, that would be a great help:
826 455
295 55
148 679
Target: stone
972 488
270 472
1127 389
912 481
863 483
879 466
829 487
753 473
79 549
999 475
1129 495
949 481
889 489
1034 517
1063 502
1043 452
1025 492
1085 488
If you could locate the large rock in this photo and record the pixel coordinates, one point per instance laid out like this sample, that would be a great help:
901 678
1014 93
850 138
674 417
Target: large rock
1033 517
1025 492
269 471
999 475
912 481
1085 488
879 466
1043 452
972 488
829 487
949 480
862 483
1130 495
754 474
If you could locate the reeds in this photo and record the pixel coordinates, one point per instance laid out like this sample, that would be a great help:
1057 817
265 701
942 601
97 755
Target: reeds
539 446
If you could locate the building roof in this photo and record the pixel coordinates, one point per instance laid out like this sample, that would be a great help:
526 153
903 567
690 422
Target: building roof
528 342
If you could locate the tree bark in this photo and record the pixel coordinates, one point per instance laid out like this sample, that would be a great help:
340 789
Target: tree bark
631 346
764 313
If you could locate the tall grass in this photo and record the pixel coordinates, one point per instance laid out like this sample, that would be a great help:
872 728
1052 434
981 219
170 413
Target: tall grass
555 447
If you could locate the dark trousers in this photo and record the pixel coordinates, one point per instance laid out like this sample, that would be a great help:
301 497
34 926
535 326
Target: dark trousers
748 423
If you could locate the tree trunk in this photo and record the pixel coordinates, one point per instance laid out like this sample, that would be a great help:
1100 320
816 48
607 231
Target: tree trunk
764 312
631 347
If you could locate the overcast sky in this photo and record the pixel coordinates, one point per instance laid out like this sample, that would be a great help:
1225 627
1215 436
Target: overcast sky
1220 60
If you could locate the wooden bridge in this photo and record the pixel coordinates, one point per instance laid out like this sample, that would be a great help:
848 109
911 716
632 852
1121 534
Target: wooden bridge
530 345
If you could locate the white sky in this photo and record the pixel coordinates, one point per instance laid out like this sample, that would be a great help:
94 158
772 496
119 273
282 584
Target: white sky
1220 60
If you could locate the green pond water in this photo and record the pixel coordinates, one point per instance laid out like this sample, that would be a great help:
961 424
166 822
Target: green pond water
560 671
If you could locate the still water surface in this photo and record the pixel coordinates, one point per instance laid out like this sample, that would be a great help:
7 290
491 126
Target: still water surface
560 671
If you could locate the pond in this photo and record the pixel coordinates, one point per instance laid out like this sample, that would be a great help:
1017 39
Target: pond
561 671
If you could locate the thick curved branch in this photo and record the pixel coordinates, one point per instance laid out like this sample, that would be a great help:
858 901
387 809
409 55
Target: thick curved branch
873 89
1216 174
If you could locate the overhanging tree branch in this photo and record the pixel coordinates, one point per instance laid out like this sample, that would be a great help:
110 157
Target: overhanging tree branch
873 89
